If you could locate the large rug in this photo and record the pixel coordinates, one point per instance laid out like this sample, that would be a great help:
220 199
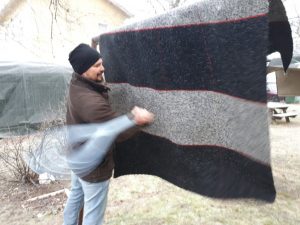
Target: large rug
201 69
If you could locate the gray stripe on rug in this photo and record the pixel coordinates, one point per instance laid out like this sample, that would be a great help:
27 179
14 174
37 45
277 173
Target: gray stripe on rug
202 12
201 118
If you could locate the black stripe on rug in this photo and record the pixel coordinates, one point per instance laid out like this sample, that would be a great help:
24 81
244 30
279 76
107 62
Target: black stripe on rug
207 170
222 57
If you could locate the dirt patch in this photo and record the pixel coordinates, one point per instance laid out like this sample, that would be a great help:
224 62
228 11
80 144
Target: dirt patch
14 209
147 200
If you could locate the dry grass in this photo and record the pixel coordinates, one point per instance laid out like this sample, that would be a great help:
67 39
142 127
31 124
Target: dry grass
145 200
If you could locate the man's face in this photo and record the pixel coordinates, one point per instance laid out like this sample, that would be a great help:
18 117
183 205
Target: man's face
95 72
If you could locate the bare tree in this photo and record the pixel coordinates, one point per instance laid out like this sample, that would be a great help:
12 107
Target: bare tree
12 161
56 7
16 150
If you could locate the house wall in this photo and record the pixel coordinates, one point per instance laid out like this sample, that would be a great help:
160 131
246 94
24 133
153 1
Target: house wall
34 31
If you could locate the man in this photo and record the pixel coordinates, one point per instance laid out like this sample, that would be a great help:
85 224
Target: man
88 103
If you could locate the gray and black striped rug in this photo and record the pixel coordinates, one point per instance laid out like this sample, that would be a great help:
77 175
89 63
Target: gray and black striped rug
201 69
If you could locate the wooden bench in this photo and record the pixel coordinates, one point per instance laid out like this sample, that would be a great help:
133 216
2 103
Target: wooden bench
286 115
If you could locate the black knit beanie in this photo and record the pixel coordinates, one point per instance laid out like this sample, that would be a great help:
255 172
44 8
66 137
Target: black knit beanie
83 57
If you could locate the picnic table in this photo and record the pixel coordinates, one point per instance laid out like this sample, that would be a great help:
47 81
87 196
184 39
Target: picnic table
278 110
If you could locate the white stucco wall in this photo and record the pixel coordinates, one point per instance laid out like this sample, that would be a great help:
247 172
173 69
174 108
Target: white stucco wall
27 34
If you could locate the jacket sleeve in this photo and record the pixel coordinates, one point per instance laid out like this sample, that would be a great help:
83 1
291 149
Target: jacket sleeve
96 109
129 133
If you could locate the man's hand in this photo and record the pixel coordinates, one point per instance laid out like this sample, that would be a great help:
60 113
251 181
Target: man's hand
142 116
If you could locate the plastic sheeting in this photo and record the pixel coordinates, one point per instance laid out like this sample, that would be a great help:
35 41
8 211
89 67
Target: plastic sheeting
30 94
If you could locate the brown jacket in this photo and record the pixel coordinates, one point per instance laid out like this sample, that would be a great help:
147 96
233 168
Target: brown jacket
88 103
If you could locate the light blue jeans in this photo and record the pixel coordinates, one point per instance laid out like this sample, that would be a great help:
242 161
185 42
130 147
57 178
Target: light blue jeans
94 197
